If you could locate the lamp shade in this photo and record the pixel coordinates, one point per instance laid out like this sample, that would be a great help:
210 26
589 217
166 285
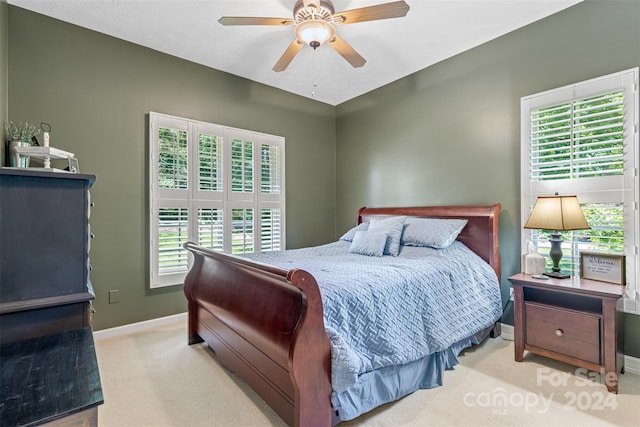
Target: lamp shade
557 213
315 32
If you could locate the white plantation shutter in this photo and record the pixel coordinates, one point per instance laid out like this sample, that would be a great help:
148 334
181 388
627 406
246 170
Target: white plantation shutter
169 217
270 230
583 139
208 200
242 232
173 232
172 159
211 228
256 171
270 172
203 181
578 139
241 166
210 158
270 197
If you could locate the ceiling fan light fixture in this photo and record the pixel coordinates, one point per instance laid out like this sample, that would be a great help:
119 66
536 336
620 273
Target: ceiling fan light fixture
315 32
314 24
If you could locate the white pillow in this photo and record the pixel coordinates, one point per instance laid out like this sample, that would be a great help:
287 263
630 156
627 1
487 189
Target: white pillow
392 227
432 232
348 236
370 243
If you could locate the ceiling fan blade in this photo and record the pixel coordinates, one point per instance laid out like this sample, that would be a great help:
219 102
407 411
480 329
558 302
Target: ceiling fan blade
251 20
287 56
347 52
396 9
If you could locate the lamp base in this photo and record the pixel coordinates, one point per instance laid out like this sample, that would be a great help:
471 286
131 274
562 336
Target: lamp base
557 275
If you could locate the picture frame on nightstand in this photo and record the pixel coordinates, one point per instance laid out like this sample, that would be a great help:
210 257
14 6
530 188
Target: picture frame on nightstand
603 267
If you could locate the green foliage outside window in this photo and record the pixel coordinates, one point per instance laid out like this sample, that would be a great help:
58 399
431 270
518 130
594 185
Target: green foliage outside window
172 159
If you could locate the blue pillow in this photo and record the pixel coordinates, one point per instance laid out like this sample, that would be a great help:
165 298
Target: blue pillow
392 227
432 232
348 236
370 243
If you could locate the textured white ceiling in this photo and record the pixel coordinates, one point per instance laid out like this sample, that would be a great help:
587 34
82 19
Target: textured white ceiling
394 48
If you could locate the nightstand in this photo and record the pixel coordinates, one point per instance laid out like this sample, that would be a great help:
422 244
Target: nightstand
573 320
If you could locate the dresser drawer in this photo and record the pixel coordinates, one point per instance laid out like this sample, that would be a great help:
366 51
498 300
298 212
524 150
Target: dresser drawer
572 333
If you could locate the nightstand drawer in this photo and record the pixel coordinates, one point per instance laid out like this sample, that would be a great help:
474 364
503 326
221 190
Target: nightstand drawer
572 333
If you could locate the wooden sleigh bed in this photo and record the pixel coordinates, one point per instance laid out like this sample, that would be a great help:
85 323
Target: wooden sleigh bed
266 324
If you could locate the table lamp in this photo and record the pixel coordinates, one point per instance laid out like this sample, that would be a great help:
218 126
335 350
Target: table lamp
557 213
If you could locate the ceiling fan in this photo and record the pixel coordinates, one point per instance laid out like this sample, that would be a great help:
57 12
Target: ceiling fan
314 24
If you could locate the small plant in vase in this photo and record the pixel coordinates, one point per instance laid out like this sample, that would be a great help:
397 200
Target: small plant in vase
19 135
23 132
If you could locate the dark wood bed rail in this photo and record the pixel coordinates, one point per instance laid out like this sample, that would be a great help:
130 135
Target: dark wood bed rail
266 325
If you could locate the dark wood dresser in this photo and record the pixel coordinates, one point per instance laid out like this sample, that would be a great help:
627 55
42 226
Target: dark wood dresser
573 320
49 371
45 239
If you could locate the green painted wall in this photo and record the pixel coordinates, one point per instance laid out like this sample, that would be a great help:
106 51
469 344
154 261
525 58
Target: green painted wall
450 134
96 92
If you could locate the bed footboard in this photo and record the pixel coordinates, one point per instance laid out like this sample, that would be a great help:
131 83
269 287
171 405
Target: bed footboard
266 325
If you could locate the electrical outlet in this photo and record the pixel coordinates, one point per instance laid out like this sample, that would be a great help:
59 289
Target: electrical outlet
114 296
510 294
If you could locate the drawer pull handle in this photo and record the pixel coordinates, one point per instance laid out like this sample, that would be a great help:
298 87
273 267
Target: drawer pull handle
559 332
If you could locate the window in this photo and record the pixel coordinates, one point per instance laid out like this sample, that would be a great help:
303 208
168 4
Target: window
220 187
582 139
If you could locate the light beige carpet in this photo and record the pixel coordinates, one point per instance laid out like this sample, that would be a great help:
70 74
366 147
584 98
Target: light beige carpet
154 378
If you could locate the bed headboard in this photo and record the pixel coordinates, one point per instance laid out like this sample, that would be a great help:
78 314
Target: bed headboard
480 234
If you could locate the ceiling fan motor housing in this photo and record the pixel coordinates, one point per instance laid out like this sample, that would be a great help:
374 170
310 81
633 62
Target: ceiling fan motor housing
316 9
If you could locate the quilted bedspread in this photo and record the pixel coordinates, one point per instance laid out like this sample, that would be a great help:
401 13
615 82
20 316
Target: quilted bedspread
383 311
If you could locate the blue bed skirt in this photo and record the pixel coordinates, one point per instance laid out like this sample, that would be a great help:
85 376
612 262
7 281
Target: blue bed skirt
393 382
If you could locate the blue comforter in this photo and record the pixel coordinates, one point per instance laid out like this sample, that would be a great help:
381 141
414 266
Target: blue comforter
384 311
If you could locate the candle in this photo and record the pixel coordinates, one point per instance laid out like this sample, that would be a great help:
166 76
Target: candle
46 139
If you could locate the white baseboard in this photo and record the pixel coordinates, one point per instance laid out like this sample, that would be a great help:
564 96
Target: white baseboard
631 364
506 331
138 327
